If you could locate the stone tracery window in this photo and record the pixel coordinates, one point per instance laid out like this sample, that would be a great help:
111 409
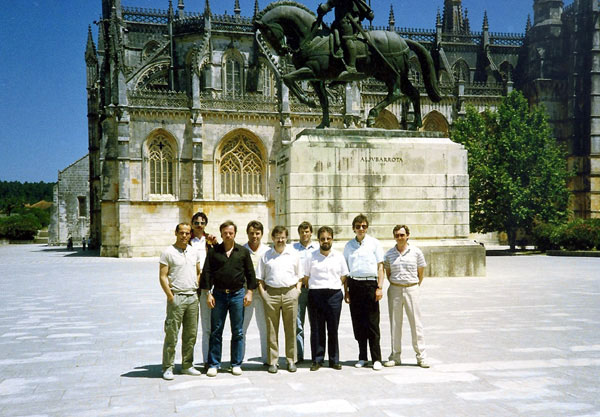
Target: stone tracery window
241 168
233 77
161 165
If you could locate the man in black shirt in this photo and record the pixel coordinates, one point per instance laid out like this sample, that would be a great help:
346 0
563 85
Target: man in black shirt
227 269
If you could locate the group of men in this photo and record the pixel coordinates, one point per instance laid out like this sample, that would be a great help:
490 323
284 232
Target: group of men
208 280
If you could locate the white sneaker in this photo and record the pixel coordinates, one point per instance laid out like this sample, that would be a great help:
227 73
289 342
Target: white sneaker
423 363
360 364
377 366
211 372
236 370
191 371
168 374
391 363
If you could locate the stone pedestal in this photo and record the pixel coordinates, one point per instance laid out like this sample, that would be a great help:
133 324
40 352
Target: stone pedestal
420 179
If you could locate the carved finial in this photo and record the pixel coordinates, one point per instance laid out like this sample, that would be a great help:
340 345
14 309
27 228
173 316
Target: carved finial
256 10
485 26
438 18
180 7
236 8
466 24
90 49
171 8
528 24
207 8
391 20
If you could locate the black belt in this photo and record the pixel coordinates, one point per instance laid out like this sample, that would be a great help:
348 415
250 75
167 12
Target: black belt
225 290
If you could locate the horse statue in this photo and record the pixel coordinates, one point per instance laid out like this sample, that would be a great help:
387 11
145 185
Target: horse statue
292 28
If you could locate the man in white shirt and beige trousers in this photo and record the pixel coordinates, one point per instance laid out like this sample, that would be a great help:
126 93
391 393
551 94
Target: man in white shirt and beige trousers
279 277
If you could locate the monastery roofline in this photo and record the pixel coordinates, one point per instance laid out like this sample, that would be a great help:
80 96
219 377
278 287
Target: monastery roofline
73 163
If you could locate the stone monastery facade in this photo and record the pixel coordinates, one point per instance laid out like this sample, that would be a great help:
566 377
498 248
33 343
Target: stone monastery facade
187 111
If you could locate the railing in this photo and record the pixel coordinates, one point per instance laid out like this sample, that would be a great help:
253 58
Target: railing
141 15
507 39
484 89
194 24
250 102
158 99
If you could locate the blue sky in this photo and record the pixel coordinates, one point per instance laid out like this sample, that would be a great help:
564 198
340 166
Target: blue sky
43 122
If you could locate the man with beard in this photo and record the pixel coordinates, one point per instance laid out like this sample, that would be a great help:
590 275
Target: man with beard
325 271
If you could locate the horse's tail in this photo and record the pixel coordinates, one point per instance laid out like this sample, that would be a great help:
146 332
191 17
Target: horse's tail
427 69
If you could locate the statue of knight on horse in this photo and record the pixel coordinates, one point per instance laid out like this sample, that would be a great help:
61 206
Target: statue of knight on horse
291 28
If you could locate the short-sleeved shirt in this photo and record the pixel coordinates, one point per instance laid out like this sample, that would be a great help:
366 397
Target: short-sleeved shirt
324 272
200 245
183 277
363 257
280 270
305 250
403 266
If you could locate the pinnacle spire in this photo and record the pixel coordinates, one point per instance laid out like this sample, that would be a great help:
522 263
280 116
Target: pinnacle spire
90 49
438 18
256 9
180 8
528 24
391 20
207 7
236 8
485 26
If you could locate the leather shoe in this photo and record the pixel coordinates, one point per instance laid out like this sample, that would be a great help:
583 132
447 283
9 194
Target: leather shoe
272 369
336 366
292 367
315 366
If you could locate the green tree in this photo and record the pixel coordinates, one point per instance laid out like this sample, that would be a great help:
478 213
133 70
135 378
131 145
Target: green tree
518 173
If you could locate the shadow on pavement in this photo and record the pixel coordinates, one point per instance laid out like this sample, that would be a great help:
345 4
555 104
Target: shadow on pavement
77 252
145 371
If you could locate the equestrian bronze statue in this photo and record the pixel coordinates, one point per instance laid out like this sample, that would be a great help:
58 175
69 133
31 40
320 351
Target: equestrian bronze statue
317 54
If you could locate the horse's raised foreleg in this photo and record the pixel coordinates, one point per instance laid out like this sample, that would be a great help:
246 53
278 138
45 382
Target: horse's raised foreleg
414 96
290 79
319 87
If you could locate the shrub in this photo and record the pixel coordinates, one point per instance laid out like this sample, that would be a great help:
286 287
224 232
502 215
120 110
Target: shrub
20 227
546 236
579 235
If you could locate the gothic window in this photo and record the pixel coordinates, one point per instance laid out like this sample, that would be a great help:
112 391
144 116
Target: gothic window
414 71
150 49
241 167
266 81
435 122
506 70
160 165
233 77
461 72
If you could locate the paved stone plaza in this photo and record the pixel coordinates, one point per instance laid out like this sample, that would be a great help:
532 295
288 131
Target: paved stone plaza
82 336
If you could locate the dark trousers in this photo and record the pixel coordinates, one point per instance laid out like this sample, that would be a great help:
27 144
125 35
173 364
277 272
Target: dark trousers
324 310
364 311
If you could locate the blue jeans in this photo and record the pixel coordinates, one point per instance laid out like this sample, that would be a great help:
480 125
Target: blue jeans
232 303
302 302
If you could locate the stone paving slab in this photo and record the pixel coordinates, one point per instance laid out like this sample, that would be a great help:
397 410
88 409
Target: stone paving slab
82 335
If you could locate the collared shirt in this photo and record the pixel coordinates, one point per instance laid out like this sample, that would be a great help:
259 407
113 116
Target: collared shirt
325 272
363 257
303 251
200 245
404 266
182 275
280 270
260 251
228 272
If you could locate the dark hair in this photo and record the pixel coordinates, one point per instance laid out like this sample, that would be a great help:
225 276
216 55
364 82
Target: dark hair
324 229
398 227
227 224
200 214
304 225
182 224
361 218
279 229
255 224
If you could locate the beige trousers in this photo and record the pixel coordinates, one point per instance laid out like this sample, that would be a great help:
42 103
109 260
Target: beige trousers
402 299
281 302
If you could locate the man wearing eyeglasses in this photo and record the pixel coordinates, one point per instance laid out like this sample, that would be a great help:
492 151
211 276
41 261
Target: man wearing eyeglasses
404 265
363 290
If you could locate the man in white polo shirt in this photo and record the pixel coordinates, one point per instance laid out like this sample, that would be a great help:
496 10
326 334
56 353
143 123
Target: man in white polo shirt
363 290
279 277
404 265
179 276
325 271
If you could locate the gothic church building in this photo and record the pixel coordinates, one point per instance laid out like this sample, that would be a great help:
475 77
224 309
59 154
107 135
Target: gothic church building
187 110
